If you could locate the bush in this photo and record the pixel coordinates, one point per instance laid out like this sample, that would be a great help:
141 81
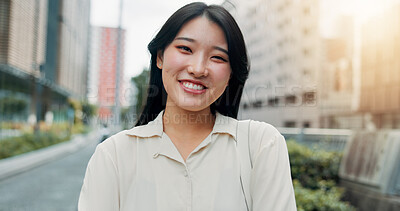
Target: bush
28 142
310 166
320 199
315 177
48 135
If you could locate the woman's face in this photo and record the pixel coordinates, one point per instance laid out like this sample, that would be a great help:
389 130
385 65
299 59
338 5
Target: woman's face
195 66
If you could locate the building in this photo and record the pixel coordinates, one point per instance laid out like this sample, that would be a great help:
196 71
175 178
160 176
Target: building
103 69
74 46
380 69
337 84
43 56
284 46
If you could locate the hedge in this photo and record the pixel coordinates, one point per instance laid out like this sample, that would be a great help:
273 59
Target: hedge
28 142
315 177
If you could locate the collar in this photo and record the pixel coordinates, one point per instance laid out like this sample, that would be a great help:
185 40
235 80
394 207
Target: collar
223 124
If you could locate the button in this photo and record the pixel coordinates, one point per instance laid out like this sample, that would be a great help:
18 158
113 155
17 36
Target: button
185 174
155 155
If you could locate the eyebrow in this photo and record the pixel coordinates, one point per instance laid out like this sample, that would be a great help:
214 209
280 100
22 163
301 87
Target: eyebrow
192 40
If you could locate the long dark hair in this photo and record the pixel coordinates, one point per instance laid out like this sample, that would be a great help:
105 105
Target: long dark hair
228 103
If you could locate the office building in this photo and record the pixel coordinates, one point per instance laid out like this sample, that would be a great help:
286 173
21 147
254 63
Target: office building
337 87
103 69
380 69
284 45
43 56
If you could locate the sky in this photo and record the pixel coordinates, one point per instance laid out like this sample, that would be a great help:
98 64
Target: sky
142 19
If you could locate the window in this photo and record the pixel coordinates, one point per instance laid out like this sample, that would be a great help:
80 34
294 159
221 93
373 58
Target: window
290 99
306 31
289 124
306 72
273 101
306 52
309 98
257 104
306 11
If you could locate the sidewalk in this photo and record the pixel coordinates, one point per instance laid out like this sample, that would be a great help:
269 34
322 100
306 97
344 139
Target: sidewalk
20 163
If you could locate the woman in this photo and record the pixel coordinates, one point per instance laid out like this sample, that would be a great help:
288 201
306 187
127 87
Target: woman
182 153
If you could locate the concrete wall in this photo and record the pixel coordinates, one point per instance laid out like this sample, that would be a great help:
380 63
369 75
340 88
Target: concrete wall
370 170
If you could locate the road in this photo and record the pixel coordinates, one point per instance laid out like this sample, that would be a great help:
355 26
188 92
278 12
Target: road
53 186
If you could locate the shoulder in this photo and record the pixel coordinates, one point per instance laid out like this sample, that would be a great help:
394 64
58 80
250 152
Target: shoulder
266 132
263 135
115 143
115 152
114 139
257 127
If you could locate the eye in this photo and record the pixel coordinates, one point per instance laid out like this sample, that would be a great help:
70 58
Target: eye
184 48
219 58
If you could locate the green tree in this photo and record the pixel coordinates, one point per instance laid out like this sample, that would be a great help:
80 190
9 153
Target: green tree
126 118
88 110
141 83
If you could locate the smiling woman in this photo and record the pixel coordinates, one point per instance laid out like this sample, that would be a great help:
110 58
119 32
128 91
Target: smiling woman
186 150
195 66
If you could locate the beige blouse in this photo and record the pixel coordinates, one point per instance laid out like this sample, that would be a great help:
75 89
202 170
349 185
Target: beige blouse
141 170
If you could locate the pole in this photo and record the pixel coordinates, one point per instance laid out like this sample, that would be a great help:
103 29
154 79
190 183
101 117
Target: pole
117 110
38 89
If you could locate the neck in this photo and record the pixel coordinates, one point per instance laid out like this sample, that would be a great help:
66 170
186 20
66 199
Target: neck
176 118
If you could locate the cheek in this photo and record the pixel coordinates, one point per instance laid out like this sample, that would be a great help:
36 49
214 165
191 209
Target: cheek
167 79
222 76
172 61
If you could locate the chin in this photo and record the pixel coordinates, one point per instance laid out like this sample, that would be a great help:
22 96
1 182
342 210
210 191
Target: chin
193 106
190 103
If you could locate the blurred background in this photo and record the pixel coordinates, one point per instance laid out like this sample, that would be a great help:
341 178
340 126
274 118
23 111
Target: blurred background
326 73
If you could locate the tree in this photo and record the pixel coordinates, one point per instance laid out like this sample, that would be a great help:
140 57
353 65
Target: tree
141 83
88 110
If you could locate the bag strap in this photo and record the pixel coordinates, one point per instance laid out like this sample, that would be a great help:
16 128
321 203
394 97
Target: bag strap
243 151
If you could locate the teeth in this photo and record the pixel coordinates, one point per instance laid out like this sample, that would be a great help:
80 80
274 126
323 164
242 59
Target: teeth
193 86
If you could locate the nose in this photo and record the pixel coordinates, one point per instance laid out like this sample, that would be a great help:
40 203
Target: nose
198 66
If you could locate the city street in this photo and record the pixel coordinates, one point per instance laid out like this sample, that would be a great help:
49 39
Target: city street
324 74
53 186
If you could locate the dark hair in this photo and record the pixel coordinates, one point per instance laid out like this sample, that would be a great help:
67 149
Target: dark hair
228 103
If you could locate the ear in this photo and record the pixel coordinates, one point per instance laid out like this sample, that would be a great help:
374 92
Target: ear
159 59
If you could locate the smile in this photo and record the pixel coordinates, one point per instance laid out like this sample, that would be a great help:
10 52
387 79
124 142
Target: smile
192 88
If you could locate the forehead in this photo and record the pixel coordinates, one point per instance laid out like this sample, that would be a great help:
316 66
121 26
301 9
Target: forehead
203 29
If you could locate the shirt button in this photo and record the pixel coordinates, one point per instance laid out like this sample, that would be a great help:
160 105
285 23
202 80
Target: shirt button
155 155
185 174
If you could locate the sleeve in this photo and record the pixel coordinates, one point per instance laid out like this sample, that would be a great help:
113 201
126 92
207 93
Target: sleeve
271 183
100 189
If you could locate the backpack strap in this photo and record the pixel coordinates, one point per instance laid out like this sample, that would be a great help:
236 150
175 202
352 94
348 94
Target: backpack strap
246 165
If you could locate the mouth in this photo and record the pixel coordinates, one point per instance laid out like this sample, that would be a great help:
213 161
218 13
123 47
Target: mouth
192 87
